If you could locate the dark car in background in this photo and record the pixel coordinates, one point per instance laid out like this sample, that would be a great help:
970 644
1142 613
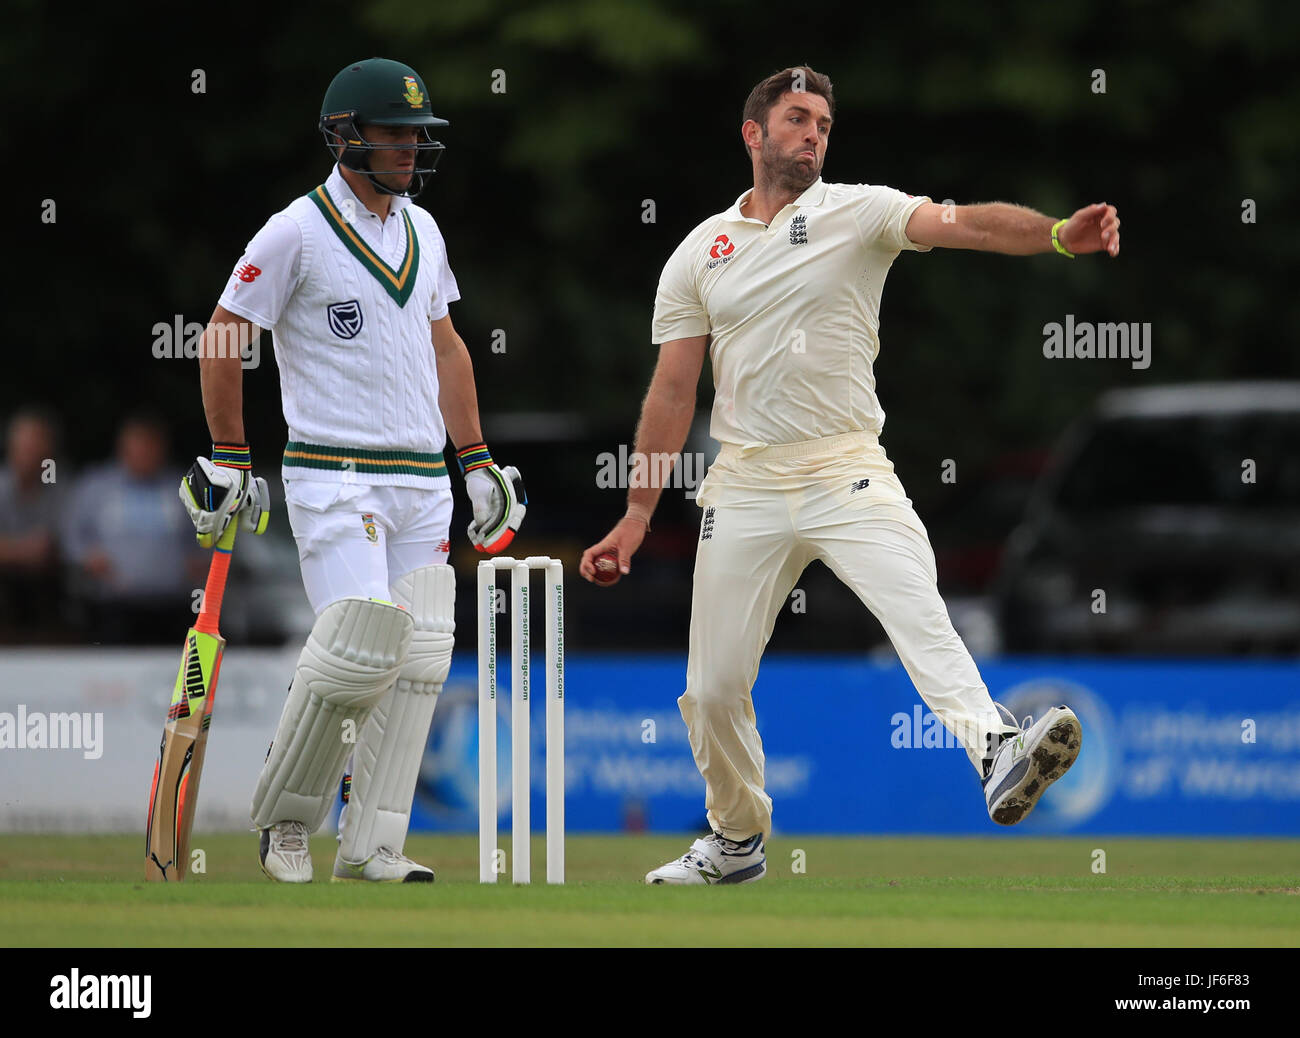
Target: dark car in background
1168 523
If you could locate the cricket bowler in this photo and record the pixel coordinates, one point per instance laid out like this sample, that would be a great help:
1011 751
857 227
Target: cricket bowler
353 279
782 290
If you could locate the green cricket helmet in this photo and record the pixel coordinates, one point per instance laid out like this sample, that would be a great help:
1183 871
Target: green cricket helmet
380 92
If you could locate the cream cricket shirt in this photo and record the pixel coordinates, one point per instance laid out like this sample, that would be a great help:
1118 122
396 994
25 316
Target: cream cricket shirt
350 299
793 310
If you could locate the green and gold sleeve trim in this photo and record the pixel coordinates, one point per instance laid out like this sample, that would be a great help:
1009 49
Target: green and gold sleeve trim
397 283
359 460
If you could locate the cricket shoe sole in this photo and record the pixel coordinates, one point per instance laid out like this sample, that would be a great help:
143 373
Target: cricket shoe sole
1026 764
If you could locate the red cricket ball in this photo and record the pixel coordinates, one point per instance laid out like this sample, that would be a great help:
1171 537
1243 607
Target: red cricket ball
606 564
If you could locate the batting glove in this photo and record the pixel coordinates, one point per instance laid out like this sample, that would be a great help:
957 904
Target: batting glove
215 491
497 496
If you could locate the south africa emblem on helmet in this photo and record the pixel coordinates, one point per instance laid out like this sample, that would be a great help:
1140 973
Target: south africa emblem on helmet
413 94
368 524
345 319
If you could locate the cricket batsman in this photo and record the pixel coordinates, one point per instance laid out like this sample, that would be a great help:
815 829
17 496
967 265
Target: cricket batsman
782 290
354 280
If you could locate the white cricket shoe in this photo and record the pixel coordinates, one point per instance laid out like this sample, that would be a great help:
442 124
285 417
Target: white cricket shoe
384 866
1025 764
715 859
283 852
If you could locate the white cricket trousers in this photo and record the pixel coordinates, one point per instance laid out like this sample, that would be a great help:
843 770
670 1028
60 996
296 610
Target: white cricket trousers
355 539
769 512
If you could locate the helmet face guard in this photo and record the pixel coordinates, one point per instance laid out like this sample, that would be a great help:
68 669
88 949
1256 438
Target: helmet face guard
380 92
341 130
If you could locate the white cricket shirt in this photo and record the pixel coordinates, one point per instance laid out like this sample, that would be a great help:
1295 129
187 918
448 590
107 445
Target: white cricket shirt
793 310
349 298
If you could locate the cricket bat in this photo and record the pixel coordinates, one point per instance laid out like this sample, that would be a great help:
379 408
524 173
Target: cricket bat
175 792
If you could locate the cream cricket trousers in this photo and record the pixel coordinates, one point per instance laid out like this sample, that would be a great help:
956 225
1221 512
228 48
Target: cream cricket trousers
768 513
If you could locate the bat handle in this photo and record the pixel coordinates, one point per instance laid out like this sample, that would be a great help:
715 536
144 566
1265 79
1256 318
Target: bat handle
215 589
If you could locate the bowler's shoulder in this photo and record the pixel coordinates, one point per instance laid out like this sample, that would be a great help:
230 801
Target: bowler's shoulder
700 237
858 194
707 228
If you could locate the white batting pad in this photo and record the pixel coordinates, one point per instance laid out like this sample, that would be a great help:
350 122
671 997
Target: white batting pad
386 764
351 658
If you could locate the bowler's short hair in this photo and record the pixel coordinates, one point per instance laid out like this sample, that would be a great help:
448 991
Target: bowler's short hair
799 79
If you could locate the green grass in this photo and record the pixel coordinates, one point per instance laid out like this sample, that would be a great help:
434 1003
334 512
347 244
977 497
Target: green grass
88 890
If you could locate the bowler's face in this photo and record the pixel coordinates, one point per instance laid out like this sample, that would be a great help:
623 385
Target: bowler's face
798 134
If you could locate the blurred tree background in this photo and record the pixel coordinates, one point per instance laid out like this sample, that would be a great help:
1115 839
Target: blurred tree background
606 105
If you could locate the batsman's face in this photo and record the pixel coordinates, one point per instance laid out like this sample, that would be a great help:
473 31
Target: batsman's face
795 140
398 154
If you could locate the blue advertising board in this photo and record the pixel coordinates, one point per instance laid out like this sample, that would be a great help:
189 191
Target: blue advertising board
1199 747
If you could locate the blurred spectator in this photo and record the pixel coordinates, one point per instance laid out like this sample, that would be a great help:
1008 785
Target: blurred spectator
132 545
30 514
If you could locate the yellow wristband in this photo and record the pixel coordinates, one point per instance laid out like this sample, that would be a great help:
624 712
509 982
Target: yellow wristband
1057 242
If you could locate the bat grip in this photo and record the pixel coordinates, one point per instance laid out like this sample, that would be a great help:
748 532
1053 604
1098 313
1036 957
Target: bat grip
215 589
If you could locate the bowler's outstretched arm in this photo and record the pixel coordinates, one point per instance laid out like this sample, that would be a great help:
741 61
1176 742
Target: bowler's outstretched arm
1014 230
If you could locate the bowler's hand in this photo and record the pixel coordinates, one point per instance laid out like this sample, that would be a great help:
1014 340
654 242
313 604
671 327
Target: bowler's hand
1092 229
625 538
